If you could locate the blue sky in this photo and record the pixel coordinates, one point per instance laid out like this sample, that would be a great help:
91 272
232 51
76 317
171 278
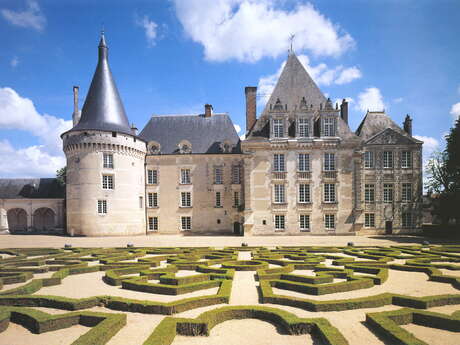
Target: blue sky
173 56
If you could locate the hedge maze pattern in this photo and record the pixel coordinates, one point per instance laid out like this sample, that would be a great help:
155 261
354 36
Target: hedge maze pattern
285 291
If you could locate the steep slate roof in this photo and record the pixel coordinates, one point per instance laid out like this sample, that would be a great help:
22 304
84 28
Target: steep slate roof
377 121
293 84
103 108
204 133
32 188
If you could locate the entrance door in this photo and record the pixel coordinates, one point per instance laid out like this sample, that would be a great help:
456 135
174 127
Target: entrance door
388 227
237 229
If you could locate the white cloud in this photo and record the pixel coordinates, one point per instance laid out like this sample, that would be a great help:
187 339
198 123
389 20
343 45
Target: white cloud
14 62
455 111
248 30
41 160
237 128
348 75
370 99
150 29
321 74
242 136
32 161
32 17
398 100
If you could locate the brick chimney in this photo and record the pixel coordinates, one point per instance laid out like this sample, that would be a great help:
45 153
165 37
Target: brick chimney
76 113
407 124
251 106
344 110
207 110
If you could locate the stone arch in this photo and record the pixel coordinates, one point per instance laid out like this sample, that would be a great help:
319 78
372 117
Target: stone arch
44 218
17 219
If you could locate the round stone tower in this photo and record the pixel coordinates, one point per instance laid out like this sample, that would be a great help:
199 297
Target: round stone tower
105 183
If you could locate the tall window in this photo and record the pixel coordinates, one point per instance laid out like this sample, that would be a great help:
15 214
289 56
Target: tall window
107 182
280 222
108 160
153 199
278 162
387 192
186 199
186 223
152 176
304 193
304 222
368 159
406 159
407 220
329 162
279 191
329 192
304 162
236 199
406 194
329 126
303 126
369 220
369 193
278 128
218 175
102 206
141 202
218 199
153 223
329 221
185 177
388 159
236 174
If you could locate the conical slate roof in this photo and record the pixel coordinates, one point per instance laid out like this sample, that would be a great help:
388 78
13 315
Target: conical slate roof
293 84
103 108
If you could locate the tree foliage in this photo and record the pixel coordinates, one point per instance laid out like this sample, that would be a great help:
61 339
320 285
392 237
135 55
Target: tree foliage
61 175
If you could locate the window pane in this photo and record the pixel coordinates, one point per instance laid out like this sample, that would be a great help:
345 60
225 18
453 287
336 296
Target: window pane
278 128
329 162
304 162
303 127
108 160
218 175
368 159
278 162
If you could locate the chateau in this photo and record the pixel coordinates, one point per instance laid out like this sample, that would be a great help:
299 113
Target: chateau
301 170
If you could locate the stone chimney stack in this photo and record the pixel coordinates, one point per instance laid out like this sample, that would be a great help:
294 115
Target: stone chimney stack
344 110
76 113
407 124
133 128
207 110
251 106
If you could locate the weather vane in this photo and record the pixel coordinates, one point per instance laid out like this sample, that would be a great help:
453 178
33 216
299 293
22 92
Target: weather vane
291 39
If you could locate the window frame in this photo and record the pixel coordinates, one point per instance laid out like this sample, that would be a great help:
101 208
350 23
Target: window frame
108 182
107 160
302 223
279 193
304 193
329 125
187 220
153 224
388 157
327 193
236 174
406 159
186 199
388 190
218 199
279 162
407 220
328 222
152 176
369 220
218 175
406 193
303 127
369 162
102 208
278 128
303 162
185 176
328 162
236 199
369 190
152 199
279 222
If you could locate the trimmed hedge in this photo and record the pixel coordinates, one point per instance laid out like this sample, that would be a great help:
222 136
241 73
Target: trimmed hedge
166 331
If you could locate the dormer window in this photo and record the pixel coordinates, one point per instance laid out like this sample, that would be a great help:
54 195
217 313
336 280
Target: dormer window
185 147
226 147
329 126
154 147
278 106
278 128
303 127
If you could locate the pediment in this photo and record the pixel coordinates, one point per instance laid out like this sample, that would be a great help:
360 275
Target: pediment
391 137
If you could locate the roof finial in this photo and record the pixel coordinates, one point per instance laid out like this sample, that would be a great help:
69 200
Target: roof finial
102 41
291 40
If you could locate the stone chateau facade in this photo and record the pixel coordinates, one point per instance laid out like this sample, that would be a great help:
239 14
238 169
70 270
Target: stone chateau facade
300 171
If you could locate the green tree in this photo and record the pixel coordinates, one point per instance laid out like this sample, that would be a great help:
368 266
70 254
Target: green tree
61 175
453 156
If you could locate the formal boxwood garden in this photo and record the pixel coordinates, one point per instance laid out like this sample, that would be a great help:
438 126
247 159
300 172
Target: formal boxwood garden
153 272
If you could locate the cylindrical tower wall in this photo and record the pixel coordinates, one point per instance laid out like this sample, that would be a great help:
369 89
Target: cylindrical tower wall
85 170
